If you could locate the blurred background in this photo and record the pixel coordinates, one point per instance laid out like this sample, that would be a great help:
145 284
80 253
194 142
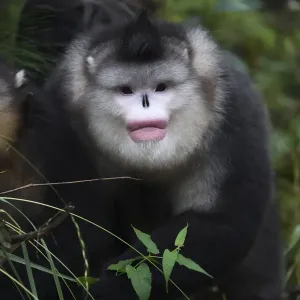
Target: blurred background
261 36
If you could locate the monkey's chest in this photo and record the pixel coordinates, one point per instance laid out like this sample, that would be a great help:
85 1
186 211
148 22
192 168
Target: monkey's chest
144 206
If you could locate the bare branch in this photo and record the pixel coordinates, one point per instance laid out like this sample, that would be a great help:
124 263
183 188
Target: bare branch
52 223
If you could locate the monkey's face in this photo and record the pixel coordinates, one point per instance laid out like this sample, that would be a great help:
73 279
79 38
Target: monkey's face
149 114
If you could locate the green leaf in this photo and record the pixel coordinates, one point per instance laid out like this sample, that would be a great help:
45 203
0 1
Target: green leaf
188 263
20 260
141 280
29 270
179 242
84 280
168 262
121 265
147 241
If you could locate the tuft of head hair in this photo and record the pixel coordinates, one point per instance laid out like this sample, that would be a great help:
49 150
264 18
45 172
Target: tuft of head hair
141 40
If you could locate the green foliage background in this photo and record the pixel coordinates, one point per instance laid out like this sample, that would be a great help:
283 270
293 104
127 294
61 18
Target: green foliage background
266 43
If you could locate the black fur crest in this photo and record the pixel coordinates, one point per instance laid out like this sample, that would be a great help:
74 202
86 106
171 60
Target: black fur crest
141 40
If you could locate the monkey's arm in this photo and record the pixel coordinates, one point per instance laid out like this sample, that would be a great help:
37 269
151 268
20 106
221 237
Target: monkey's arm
215 240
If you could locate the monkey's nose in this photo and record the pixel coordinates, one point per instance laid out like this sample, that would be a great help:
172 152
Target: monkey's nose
145 101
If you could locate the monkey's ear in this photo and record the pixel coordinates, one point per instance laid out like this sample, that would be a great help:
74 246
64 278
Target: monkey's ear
90 63
20 79
204 52
185 53
180 49
96 57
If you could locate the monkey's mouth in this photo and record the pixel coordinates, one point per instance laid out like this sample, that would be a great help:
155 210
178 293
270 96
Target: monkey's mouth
142 131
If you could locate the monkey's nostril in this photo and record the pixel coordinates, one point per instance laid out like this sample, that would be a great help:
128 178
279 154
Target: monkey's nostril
145 101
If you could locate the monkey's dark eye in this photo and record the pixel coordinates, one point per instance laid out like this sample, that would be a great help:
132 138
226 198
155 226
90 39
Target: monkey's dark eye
126 90
161 87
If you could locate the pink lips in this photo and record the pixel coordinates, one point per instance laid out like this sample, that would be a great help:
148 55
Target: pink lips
147 130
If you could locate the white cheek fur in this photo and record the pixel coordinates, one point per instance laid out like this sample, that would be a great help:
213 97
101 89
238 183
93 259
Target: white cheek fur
184 132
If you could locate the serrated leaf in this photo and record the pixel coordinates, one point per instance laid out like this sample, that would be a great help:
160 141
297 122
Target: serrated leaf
84 280
188 263
141 280
179 241
168 262
147 241
121 265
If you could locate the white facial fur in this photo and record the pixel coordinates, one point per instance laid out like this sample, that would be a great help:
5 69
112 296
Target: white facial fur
184 105
133 110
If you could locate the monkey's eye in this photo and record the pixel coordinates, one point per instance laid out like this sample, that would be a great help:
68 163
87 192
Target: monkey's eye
161 87
126 90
